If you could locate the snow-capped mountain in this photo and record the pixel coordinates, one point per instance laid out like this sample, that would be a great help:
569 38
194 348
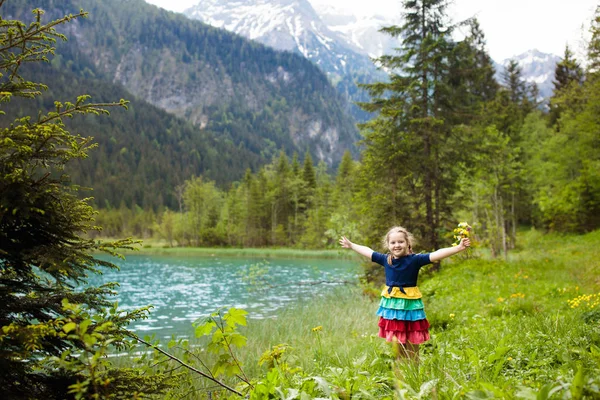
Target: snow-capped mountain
536 67
340 43
361 31
285 25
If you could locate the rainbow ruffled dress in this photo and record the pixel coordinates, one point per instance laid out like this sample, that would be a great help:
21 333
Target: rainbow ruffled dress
401 312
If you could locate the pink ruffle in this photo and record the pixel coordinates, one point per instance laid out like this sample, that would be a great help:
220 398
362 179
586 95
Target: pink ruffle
403 326
416 337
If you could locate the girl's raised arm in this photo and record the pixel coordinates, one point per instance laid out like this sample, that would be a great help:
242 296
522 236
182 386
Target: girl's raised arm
362 250
449 251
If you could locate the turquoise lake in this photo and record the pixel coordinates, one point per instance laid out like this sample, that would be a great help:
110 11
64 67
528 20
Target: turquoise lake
183 289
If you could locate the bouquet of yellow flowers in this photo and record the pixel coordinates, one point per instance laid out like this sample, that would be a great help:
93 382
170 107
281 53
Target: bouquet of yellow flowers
463 230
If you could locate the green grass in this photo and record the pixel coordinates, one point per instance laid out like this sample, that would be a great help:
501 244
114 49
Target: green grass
500 329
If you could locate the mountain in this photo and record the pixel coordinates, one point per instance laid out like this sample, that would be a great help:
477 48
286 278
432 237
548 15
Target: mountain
215 102
362 31
294 25
340 43
291 25
536 67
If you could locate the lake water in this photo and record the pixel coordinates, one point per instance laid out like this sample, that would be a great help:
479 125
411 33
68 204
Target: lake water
183 289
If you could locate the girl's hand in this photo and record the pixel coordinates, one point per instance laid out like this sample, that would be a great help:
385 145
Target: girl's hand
464 243
345 242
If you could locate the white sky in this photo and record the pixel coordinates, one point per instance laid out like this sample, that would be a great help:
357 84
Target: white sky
511 27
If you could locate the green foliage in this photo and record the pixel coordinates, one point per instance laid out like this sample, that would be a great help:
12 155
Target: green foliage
225 337
570 199
55 332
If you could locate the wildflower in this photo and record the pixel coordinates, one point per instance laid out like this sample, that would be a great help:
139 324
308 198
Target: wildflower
588 302
317 328
452 316
464 230
500 299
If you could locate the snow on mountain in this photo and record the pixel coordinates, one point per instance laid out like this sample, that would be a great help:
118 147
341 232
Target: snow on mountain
536 67
361 31
285 25
341 43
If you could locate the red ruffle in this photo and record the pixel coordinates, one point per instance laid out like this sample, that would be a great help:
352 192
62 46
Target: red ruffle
415 332
403 326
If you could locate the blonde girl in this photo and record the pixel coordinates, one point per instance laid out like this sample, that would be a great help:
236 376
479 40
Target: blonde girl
401 314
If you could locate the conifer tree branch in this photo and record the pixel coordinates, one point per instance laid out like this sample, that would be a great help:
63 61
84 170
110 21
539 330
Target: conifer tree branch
184 364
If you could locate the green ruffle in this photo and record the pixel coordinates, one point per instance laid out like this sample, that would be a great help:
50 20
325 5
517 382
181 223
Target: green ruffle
395 303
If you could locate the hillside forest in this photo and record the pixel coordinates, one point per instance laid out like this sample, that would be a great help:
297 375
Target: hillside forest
203 101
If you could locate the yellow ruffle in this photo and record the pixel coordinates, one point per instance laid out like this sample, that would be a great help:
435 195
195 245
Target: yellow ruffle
411 293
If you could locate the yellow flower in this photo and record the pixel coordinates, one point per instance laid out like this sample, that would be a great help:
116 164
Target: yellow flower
462 231
500 299
317 328
451 315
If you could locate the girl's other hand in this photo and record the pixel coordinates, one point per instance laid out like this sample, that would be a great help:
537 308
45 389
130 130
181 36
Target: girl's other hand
345 242
464 243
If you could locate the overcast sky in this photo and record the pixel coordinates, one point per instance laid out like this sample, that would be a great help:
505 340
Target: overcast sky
511 27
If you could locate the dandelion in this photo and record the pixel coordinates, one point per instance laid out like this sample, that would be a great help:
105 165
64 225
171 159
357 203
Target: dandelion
586 302
500 299
317 328
452 316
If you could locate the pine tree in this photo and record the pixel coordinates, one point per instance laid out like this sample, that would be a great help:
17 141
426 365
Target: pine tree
54 335
471 77
593 50
513 80
309 177
568 76
567 71
408 161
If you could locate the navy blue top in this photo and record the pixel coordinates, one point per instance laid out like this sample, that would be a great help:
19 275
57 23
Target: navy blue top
404 270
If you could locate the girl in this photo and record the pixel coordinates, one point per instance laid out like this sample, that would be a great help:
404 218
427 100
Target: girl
401 315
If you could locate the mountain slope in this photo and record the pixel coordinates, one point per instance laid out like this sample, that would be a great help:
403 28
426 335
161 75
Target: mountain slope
257 98
362 31
204 101
293 25
143 153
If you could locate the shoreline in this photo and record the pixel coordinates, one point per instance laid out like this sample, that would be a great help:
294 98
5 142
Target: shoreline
254 252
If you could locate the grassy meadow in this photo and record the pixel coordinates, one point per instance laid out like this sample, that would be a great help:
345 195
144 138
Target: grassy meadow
524 328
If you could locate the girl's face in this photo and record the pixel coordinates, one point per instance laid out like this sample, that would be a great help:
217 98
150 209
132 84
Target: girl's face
397 244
